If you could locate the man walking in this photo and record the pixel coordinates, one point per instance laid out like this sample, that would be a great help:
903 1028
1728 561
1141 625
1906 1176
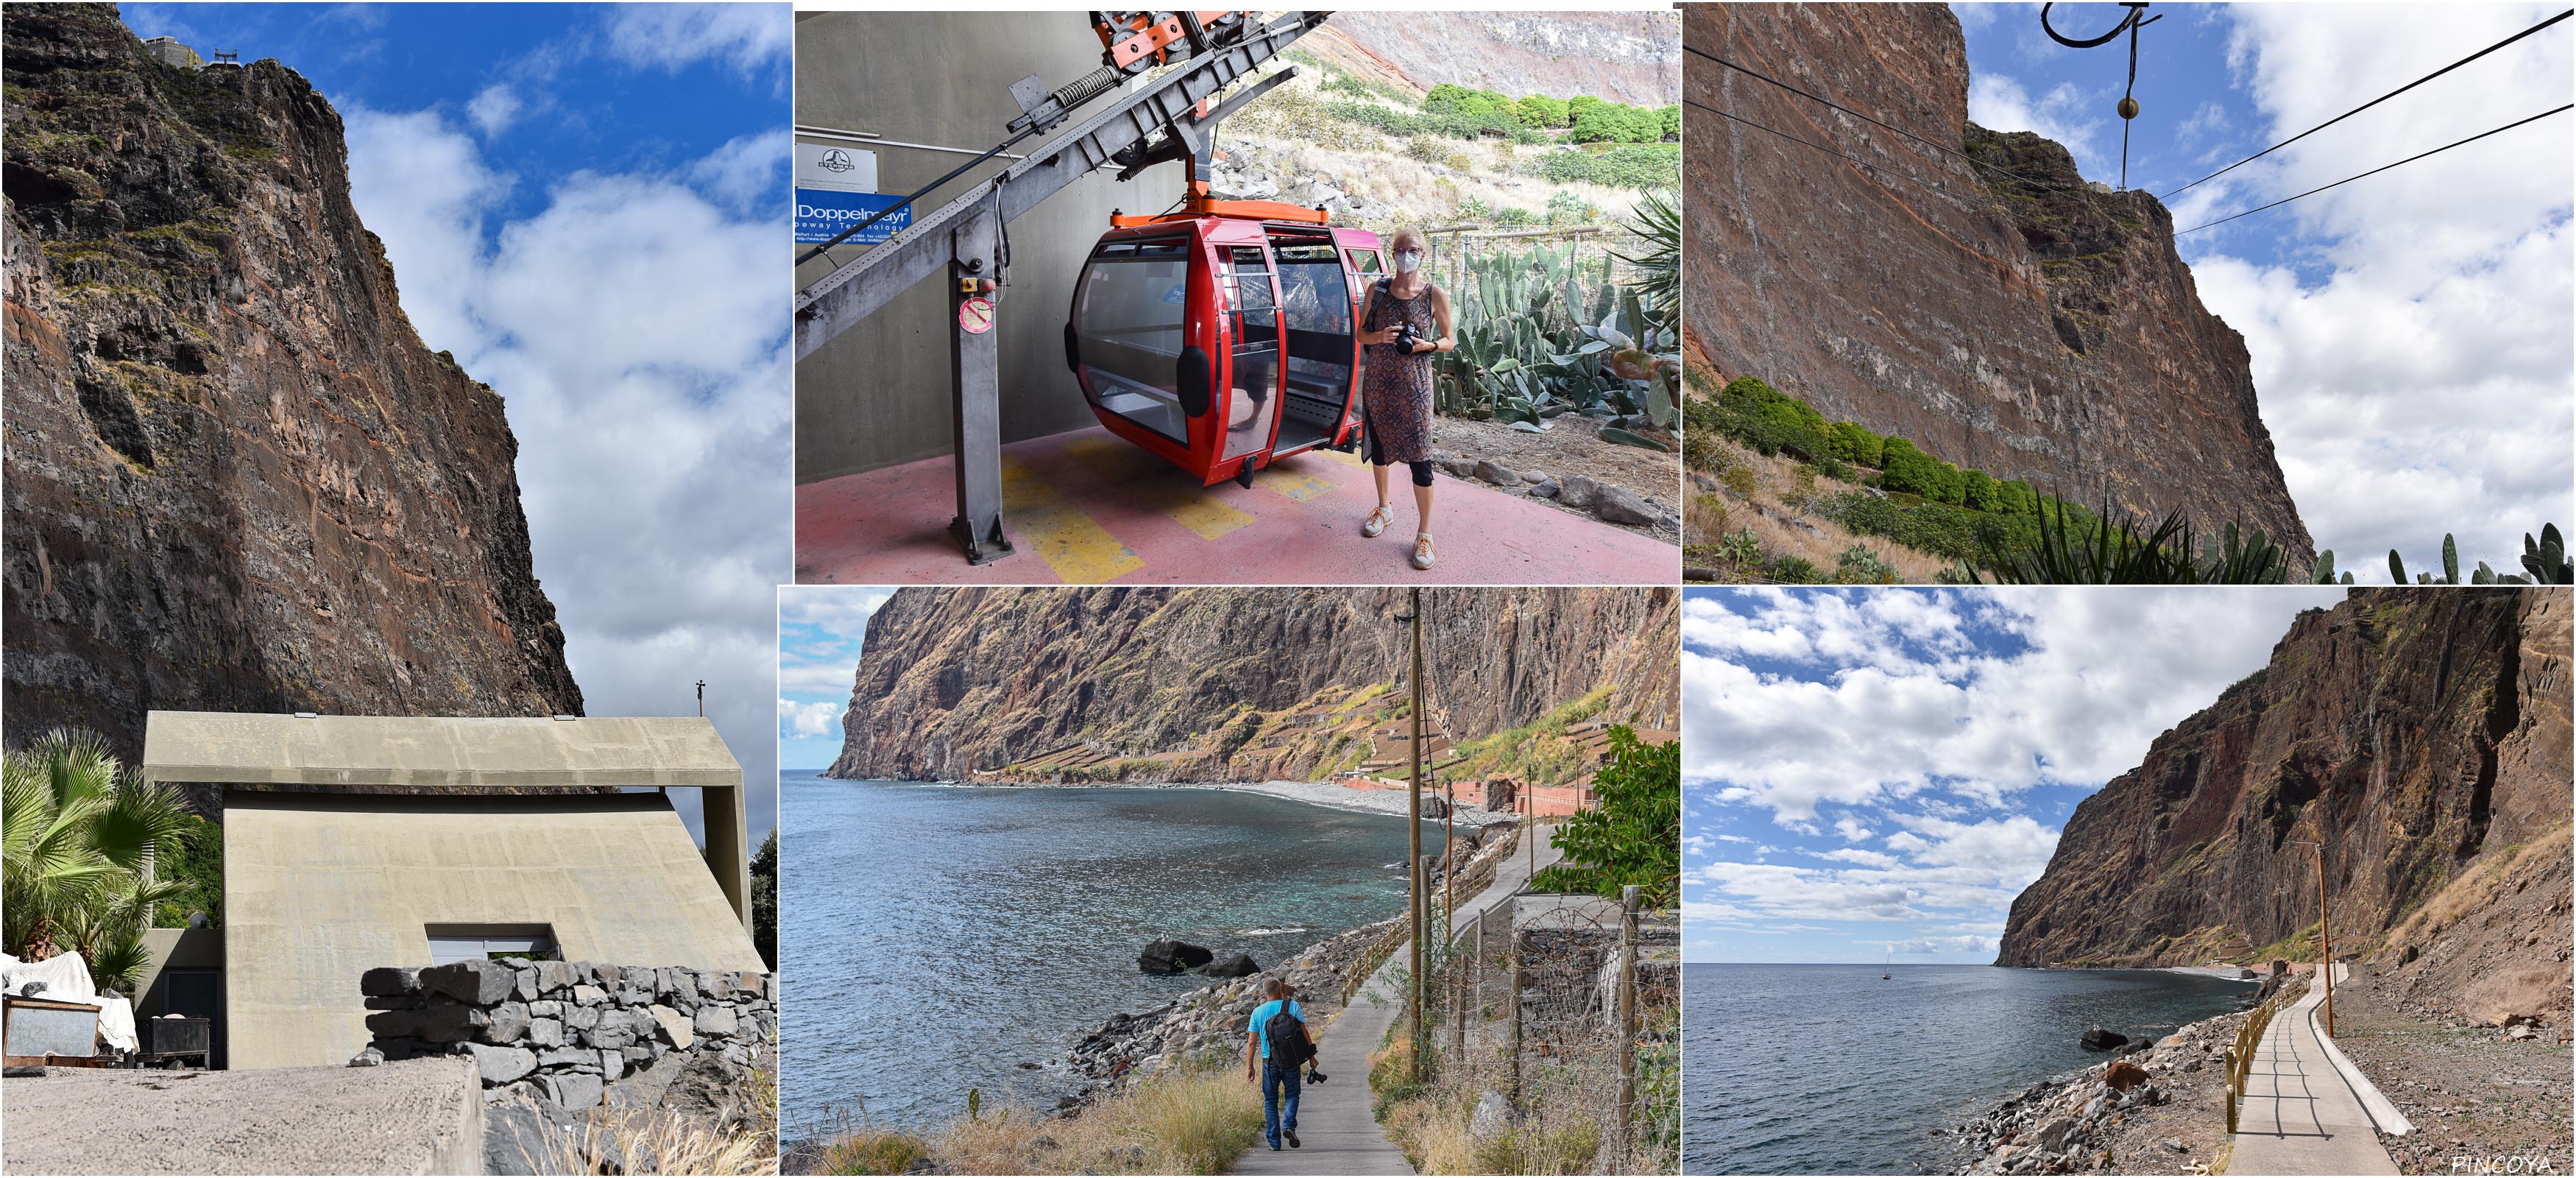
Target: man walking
1273 1052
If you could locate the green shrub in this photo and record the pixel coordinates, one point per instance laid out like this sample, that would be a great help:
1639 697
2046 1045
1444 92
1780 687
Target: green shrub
1741 480
1539 110
1853 442
1980 491
1429 149
1794 570
1628 165
1859 566
1617 122
1908 469
1668 123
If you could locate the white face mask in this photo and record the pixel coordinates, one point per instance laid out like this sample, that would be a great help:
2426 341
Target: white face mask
1408 261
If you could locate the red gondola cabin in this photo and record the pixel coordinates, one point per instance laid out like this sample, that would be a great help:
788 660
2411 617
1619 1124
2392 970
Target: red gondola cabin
1225 338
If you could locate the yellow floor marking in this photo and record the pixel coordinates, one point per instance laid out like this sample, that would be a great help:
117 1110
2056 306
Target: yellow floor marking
1040 521
1158 484
1300 487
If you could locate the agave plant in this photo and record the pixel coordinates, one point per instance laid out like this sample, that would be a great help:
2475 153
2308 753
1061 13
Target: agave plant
2122 549
79 834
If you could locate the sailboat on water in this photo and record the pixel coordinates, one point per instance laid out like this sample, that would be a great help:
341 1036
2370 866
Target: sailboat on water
1890 966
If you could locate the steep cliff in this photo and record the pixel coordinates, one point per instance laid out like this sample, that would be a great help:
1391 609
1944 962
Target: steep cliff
1625 57
2422 735
236 478
956 680
2027 325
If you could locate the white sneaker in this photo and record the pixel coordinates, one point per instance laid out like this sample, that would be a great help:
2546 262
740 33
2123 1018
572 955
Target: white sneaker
1422 557
1377 522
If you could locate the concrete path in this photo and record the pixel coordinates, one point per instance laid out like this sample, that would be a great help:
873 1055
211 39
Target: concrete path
1087 508
420 1116
2302 1113
1335 1119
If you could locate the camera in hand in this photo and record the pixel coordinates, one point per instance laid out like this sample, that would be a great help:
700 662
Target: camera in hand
1313 1076
1403 339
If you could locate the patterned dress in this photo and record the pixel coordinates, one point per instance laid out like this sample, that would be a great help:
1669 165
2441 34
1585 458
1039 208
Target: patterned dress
1395 391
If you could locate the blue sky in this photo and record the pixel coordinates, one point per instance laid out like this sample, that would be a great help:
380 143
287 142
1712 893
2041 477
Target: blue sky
2408 331
1877 772
587 204
821 629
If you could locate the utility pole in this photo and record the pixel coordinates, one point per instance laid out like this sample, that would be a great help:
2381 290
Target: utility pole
1413 831
702 699
2325 938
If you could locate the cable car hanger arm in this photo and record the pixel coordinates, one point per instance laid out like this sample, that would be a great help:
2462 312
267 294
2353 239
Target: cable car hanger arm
857 289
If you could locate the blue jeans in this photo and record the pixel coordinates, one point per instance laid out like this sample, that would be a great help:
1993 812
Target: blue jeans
1279 1091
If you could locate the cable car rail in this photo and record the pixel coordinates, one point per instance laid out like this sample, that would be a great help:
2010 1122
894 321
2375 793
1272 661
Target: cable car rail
2381 168
855 290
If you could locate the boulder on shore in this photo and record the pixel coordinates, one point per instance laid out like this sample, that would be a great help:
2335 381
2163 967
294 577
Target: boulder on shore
2099 1039
1236 965
1173 957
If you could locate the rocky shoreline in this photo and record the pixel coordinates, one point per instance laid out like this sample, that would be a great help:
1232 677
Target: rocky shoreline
2153 1107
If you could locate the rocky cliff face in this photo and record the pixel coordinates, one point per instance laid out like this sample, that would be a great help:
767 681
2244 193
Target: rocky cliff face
2030 326
236 478
956 680
2421 734
1626 57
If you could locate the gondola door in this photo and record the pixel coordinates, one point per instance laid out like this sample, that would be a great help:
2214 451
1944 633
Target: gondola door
1248 299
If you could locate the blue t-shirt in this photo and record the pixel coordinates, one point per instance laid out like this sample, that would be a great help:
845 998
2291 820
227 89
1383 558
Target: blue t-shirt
1261 1021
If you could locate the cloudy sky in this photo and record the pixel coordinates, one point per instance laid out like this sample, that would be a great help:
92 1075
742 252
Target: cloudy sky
2409 331
820 631
1872 772
586 204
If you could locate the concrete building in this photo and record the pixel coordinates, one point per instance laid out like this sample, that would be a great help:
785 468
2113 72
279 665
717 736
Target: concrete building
927 91
352 842
168 51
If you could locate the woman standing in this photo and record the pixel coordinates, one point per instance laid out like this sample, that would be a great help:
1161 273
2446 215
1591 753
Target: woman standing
1404 321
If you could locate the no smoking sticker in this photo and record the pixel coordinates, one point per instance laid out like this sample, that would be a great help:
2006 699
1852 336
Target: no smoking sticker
975 315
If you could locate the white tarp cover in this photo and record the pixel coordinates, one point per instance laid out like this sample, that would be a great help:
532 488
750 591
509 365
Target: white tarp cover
66 979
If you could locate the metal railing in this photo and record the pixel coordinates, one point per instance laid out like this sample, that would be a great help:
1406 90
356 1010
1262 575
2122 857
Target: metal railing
1471 884
2240 1058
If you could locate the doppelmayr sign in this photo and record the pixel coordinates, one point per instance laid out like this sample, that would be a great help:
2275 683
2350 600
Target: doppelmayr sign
835 189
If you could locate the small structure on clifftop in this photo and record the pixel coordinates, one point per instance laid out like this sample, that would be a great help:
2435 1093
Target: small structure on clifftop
353 843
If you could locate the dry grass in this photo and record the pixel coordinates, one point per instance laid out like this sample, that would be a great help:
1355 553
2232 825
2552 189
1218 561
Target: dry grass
655 1141
2471 891
1430 1122
1425 180
1187 1123
1767 495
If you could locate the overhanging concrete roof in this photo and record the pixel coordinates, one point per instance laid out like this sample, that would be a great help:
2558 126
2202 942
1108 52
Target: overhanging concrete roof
453 752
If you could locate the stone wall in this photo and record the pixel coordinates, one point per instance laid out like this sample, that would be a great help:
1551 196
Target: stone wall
561 1032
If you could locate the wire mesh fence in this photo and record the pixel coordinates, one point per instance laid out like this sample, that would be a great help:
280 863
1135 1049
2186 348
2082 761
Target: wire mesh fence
1552 1026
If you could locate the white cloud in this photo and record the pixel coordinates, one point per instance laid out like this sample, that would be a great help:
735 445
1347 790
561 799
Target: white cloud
674 36
808 720
841 609
2107 670
1998 103
2415 365
632 331
494 109
746 172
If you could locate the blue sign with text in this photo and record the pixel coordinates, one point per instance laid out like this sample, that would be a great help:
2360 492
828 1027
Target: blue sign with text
821 212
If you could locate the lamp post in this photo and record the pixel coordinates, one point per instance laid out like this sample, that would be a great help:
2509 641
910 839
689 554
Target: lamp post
2325 938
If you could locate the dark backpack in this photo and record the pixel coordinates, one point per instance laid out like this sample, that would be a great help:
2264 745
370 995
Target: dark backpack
1286 1034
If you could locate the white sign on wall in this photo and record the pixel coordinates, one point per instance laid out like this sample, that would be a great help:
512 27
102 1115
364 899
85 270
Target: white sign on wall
836 167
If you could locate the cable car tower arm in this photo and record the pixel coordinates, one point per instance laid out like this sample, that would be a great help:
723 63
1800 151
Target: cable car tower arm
856 290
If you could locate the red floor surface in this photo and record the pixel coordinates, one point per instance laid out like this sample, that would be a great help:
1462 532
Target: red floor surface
1088 508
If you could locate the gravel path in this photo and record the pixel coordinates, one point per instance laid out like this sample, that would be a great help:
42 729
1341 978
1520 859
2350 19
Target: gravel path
2471 1092
420 1116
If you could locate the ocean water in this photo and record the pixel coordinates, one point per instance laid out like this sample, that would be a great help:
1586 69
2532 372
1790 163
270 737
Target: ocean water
933 938
1826 1069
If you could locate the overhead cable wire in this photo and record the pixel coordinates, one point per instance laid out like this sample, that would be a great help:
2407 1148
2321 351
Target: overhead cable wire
2078 188
2367 105
1942 189
1934 144
2382 168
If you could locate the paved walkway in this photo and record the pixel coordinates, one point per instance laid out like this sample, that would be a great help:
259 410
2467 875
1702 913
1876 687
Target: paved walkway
1335 1119
2302 1114
1088 508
